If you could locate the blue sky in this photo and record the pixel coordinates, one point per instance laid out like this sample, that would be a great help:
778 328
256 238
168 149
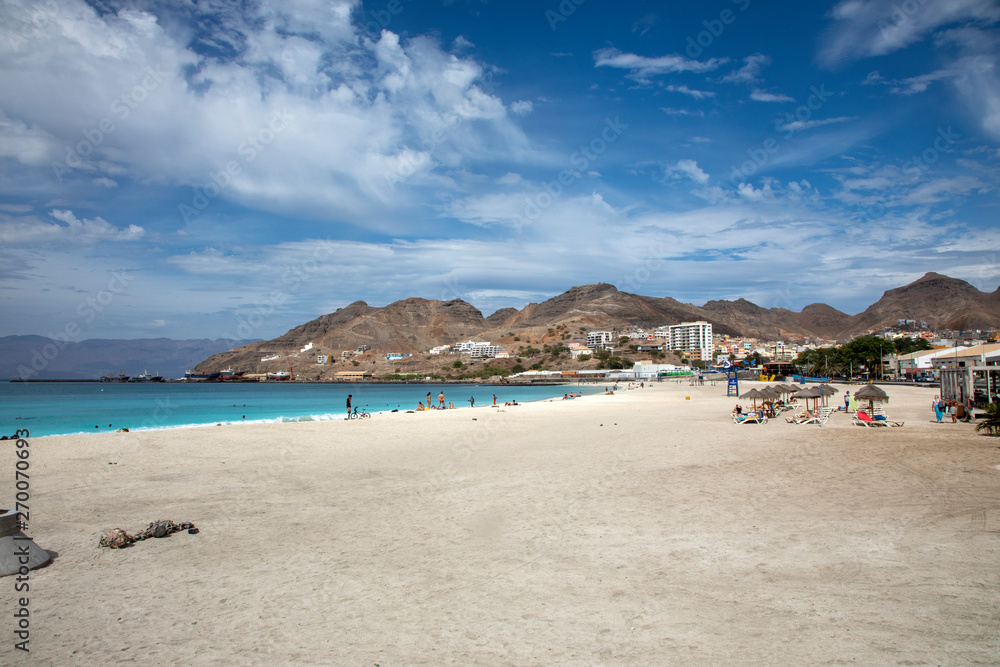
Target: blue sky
235 168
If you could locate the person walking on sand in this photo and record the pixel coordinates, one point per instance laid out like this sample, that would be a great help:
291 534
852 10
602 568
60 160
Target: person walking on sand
494 400
472 401
441 399
349 405
847 400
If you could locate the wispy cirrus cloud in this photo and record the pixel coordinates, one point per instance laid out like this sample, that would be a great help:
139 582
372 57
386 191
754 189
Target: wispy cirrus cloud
800 125
750 72
642 68
684 90
864 28
763 96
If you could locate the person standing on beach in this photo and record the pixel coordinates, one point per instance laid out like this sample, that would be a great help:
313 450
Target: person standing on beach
472 401
494 400
429 404
349 405
847 400
441 399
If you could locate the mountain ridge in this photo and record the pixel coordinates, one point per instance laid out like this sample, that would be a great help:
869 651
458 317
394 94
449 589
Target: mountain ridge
415 325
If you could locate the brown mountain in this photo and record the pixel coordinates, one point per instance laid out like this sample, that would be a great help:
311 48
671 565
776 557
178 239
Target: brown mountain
413 326
822 320
407 326
942 302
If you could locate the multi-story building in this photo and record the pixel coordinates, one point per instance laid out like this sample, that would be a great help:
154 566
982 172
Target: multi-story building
485 350
466 346
688 336
600 340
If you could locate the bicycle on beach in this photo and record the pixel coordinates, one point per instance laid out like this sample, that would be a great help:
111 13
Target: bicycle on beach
359 414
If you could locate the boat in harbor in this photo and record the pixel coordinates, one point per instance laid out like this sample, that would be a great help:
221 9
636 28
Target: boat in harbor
192 376
121 377
146 377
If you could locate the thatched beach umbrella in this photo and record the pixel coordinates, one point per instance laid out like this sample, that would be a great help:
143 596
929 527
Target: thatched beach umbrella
807 393
770 394
872 394
827 391
754 394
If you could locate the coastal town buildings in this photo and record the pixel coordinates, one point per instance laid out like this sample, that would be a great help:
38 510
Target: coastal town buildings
600 340
691 336
485 351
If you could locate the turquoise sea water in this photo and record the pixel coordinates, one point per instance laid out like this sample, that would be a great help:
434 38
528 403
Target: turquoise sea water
61 408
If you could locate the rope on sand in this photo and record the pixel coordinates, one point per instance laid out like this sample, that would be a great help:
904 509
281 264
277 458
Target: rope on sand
118 538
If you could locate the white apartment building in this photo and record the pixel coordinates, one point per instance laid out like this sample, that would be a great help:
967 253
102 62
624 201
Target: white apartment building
485 350
599 340
689 336
466 346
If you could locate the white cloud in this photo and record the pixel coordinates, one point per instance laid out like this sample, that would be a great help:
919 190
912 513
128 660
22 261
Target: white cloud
365 118
104 182
800 125
642 67
919 84
750 72
672 111
687 169
864 28
29 231
521 107
761 96
510 178
684 90
872 79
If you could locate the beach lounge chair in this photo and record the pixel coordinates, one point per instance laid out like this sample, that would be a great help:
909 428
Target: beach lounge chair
819 419
862 418
886 420
751 418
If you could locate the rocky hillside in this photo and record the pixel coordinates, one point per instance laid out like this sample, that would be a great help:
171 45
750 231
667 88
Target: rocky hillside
413 326
942 302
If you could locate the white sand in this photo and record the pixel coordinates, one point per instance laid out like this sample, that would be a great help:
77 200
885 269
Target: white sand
636 529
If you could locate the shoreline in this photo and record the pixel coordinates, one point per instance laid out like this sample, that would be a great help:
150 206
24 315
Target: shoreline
281 419
639 528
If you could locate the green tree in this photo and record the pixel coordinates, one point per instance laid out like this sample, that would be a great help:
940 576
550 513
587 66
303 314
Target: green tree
457 364
866 352
906 345
991 422
614 363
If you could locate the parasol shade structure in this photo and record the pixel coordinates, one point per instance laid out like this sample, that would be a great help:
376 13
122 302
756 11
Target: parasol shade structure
754 394
871 393
827 391
807 393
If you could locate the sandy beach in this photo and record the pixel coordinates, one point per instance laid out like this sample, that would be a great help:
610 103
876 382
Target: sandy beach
642 528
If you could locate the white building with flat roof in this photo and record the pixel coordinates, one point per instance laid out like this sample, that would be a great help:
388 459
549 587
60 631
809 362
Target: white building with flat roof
688 336
599 340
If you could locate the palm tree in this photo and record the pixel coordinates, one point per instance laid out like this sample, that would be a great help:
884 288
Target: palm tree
991 422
